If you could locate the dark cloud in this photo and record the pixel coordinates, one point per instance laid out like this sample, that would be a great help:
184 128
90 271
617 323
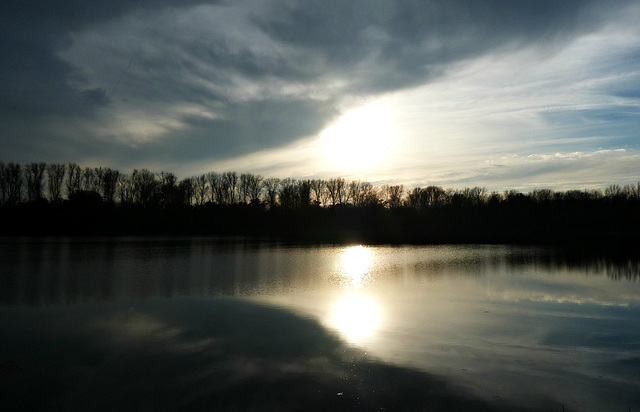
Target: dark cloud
35 80
250 127
410 41
364 47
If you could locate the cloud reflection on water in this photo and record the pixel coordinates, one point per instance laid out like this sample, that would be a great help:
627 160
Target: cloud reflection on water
501 321
200 354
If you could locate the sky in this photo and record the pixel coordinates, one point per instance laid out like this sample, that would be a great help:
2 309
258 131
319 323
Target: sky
502 94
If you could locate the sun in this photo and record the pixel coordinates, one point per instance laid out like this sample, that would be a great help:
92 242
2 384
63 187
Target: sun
362 138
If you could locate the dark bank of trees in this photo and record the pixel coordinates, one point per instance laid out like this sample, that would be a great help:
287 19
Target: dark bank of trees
67 199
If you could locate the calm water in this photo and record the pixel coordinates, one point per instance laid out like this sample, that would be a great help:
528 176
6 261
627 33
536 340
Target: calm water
149 324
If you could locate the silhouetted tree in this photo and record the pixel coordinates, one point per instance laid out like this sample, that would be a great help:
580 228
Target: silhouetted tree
272 188
74 178
431 197
145 187
251 187
125 189
13 178
90 180
514 197
337 189
594 194
542 195
186 190
243 188
614 192
579 196
168 195
200 189
353 191
4 186
294 194
392 195
55 180
107 181
216 188
634 191
494 199
440 215
319 191
363 194
288 194
304 193
435 196
34 175
415 198
474 196
230 187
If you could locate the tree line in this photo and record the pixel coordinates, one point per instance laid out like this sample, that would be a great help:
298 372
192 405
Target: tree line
57 182
40 198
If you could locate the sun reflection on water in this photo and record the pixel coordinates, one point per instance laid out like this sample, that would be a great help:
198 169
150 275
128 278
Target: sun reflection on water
355 266
355 315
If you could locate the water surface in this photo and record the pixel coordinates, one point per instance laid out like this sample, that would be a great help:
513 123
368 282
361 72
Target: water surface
479 327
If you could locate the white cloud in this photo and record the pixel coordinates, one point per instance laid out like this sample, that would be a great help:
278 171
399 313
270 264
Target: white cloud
470 98
488 123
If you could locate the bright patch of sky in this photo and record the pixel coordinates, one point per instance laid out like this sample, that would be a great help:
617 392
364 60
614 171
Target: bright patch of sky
519 119
499 94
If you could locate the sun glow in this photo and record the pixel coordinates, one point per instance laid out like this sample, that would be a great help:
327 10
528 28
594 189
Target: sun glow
355 266
356 317
360 139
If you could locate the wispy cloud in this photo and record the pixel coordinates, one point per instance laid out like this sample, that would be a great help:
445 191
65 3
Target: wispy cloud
202 85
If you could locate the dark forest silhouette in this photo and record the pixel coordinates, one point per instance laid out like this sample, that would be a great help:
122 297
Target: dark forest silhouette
66 199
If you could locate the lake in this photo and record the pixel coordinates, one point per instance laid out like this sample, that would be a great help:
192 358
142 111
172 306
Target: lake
214 324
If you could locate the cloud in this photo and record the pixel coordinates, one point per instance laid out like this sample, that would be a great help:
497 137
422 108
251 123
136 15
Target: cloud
176 85
215 353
